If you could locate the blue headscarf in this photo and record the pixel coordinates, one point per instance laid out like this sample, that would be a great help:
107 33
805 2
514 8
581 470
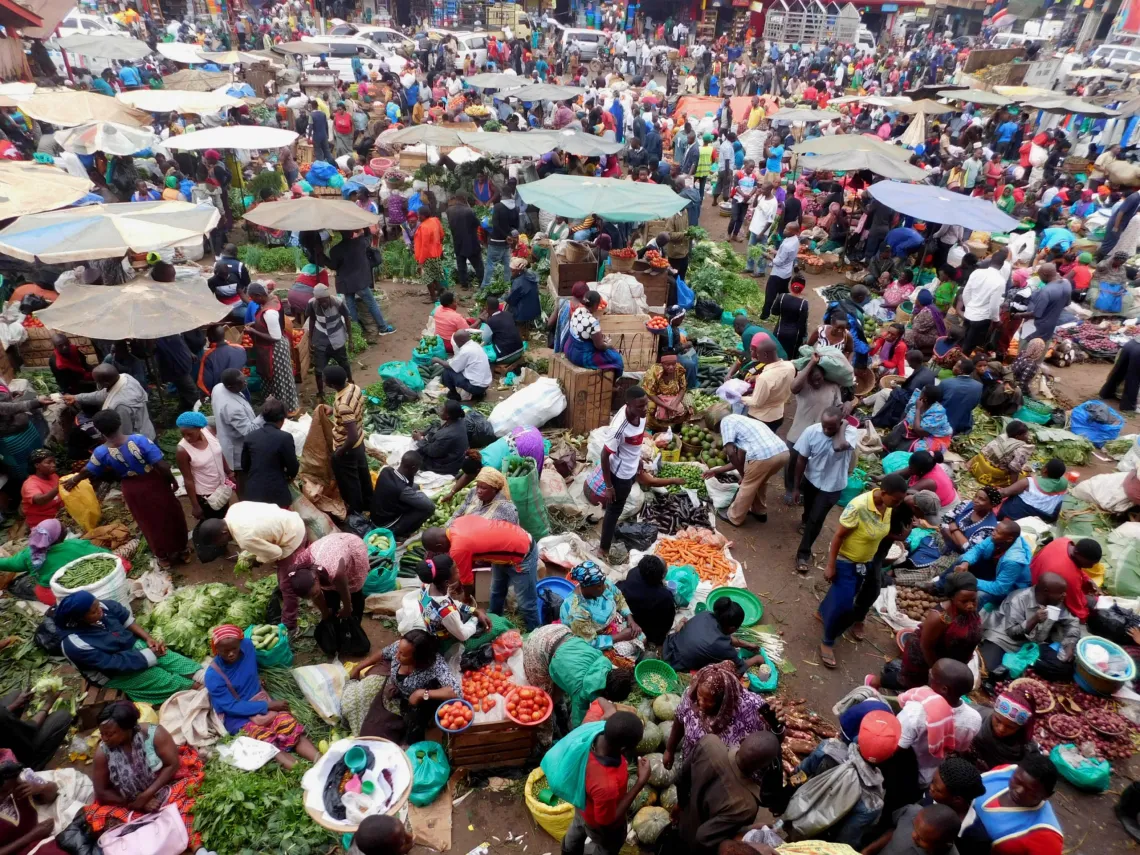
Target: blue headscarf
851 718
588 573
72 607
191 419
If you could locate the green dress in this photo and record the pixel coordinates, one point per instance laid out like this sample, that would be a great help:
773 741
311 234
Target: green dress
57 556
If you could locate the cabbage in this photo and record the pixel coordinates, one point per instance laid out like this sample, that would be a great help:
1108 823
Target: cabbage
665 706
650 739
244 612
184 636
659 776
648 824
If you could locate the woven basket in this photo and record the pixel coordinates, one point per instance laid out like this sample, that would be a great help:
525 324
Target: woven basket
621 265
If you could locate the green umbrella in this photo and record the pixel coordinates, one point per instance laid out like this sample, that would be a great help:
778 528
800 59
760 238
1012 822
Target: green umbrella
619 201
879 164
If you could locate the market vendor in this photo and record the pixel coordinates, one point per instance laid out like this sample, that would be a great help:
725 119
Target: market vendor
935 713
771 383
24 796
402 707
924 426
1002 460
444 616
119 393
1006 728
490 499
747 329
220 355
970 521
469 369
586 345
707 638
674 337
522 300
665 385
245 707
40 491
331 576
925 471
716 703
1073 561
1027 617
596 612
1014 815
1000 562
443 448
32 741
68 365
1036 495
927 325
139 769
48 550
397 504
147 482
271 348
105 644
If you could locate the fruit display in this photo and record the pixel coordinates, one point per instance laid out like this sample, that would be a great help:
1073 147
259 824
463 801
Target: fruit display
657 324
429 345
265 637
694 478
915 603
246 340
32 322
478 111
528 705
489 680
624 252
454 716
1088 721
699 445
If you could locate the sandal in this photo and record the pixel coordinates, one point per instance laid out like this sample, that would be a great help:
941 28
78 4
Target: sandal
827 657
857 631
803 568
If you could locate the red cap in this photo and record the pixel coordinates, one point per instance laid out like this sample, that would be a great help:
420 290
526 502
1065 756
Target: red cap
879 735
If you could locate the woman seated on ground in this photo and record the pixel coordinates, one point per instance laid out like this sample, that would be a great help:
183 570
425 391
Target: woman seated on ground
490 498
24 797
1002 460
888 353
558 326
40 490
926 472
105 644
665 384
924 426
1014 816
707 638
1029 364
597 613
47 551
927 326
1004 737
139 769
675 338
402 707
444 616
951 630
444 446
969 523
1036 495
245 707
586 345
947 350
716 703
650 600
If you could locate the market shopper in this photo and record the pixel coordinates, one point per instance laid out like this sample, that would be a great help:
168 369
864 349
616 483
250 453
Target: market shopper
351 259
444 447
349 461
708 638
397 504
330 572
556 660
772 379
469 370
621 459
783 266
464 227
1073 561
757 454
935 721
1000 563
203 466
120 393
271 349
824 461
329 323
268 459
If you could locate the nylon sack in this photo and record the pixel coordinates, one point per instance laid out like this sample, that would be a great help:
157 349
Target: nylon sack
565 763
526 495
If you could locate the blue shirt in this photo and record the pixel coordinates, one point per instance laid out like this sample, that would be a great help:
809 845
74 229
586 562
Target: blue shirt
902 241
242 675
1012 567
108 647
827 469
102 87
959 397
775 159
136 456
1006 130
129 76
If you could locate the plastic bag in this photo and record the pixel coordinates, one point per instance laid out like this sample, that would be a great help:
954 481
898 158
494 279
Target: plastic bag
832 362
406 372
82 504
535 405
1112 623
1085 773
685 295
396 393
430 771
1096 422
356 523
479 431
499 625
322 686
1021 660
526 496
686 580
1110 297
380 580
721 494
495 454
565 763
78 838
342 636
550 605
280 655
47 636
823 801
636 535
895 461
707 310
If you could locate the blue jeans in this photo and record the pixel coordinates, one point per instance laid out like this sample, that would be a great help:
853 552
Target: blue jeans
497 253
754 239
839 604
524 581
369 299
690 361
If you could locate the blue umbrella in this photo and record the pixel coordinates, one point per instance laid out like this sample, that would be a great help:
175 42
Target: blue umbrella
618 201
939 205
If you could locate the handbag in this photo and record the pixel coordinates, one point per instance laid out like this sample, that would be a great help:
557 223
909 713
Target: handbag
161 833
220 497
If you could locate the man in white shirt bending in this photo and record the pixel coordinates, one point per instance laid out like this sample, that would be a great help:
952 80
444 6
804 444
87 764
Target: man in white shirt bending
980 301
469 369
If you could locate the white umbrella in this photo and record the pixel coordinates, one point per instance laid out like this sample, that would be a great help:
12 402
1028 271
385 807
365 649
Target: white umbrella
105 231
311 214
975 96
229 57
792 114
67 109
545 92
105 47
583 144
1067 104
849 142
193 80
141 308
178 101
532 144
107 137
915 132
851 161
27 187
182 52
18 91
488 80
250 137
424 135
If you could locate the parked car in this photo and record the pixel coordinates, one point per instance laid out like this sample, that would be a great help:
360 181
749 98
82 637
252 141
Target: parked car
1120 57
588 40
341 50
466 44
386 37
81 23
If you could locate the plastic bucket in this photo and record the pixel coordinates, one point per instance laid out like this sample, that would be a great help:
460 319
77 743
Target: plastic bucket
563 587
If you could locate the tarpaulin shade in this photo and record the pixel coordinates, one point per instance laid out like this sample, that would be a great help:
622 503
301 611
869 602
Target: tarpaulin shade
1067 104
583 144
107 137
851 142
939 205
855 159
311 214
187 54
491 80
975 96
104 47
68 109
545 92
793 114
620 201
249 137
27 187
423 135
194 80
178 101
533 144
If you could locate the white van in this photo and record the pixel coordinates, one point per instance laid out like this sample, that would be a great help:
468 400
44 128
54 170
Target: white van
1120 57
81 24
1014 40
864 40
589 40
466 44
341 49
386 37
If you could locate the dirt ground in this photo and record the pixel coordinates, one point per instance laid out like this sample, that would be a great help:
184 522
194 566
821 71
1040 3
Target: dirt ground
767 553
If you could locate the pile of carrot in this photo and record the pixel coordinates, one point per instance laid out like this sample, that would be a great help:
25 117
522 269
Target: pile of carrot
709 561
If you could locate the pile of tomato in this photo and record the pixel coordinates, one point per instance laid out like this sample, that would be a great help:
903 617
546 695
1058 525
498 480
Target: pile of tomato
454 715
528 705
488 680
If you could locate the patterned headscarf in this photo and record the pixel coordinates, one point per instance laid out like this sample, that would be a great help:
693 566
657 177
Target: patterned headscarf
721 677
223 632
492 477
41 539
1015 705
588 573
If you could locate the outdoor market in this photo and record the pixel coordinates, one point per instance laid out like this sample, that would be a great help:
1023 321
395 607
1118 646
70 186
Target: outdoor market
447 458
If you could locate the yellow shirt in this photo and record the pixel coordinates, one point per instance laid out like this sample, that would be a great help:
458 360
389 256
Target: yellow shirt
868 528
755 117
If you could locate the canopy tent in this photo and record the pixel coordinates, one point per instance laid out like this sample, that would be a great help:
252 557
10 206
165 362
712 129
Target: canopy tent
1016 92
68 109
583 144
1067 104
491 80
975 96
247 137
915 133
851 142
853 160
229 57
545 92
105 231
793 114
301 48
311 214
141 308
939 205
619 201
697 106
104 47
18 90
1129 109
925 105
532 144
27 187
187 54
423 135
107 137
178 101
1091 73
194 80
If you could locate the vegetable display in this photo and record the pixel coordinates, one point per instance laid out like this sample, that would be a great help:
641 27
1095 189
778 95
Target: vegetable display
444 510
694 478
88 570
454 715
914 603
528 705
489 680
377 542
707 560
1088 721
711 453
428 345
184 620
265 636
657 323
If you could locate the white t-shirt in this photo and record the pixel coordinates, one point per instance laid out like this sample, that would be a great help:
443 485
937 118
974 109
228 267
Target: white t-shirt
471 361
981 298
624 443
912 717
763 215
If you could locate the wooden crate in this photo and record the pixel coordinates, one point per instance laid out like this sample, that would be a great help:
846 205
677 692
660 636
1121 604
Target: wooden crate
485 746
657 284
410 161
589 394
630 338
563 276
